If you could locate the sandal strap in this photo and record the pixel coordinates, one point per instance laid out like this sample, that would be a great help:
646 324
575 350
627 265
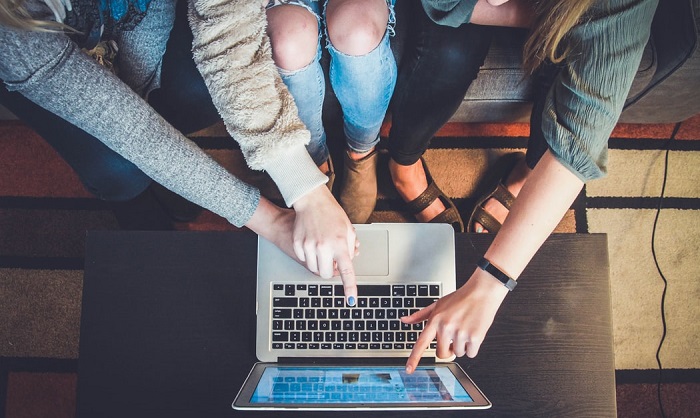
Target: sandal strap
503 195
449 216
489 223
424 200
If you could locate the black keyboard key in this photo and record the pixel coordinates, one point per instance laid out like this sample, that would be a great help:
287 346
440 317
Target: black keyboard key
341 337
387 346
301 287
301 346
278 286
373 302
339 302
377 337
300 325
362 302
304 302
321 314
336 325
326 290
350 346
289 324
277 324
422 290
330 336
356 314
362 346
409 302
411 290
327 302
374 290
289 346
338 290
400 336
315 302
397 302
365 336
347 325
338 346
289 290
295 336
312 325
280 336
423 302
324 325
385 303
374 346
359 325
345 314
307 336
371 325
353 336
313 290
412 336
368 313
277 346
281 313
298 313
389 336
326 346
398 346
380 314
398 290
434 290
391 313
333 314
310 313
382 325
314 346
394 324
318 336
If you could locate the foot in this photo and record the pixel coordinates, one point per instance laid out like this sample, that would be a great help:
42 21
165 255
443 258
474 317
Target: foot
410 181
358 193
514 183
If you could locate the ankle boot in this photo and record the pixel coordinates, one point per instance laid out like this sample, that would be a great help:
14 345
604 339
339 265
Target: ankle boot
358 193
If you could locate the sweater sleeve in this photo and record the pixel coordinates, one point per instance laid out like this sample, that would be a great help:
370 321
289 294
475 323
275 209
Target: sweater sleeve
49 70
586 99
449 12
232 52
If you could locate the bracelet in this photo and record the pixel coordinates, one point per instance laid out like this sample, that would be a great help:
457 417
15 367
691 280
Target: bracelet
507 281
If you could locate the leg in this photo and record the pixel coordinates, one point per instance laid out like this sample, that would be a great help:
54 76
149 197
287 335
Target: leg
183 99
363 76
536 147
362 70
438 66
294 35
102 171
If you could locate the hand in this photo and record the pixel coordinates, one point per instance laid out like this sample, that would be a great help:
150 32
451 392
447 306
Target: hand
459 320
325 239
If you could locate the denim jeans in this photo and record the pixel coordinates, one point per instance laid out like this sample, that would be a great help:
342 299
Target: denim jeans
363 85
438 63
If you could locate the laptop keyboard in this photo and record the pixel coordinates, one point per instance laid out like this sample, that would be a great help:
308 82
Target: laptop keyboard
316 317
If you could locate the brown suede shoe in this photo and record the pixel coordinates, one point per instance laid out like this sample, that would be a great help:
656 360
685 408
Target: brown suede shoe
358 193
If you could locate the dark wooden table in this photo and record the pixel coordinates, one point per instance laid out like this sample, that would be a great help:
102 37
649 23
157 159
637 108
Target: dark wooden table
168 329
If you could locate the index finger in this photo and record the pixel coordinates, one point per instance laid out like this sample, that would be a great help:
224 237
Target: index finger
347 275
419 348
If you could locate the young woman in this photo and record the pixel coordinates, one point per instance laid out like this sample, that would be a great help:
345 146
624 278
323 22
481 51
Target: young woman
42 60
362 74
585 55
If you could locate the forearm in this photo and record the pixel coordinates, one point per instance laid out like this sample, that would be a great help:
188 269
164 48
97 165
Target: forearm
513 13
54 74
233 53
548 193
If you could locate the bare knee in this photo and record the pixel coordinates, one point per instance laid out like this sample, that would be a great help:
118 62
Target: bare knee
356 27
293 33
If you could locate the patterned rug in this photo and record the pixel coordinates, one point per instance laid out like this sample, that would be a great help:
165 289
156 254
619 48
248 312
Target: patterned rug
45 211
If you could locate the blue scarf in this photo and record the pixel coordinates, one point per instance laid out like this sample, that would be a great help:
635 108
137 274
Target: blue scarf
117 9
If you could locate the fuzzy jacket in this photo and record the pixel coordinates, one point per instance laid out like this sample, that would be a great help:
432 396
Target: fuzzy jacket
232 51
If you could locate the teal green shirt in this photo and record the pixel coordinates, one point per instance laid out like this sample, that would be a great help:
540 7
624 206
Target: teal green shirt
587 97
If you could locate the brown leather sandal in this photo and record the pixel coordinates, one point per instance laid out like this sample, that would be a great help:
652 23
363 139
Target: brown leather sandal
493 186
449 216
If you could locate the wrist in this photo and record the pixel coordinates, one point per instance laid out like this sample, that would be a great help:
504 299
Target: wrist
312 198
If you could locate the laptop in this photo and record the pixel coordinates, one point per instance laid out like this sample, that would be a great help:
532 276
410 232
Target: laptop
317 353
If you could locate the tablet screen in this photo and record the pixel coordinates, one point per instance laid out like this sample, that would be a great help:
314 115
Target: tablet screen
300 385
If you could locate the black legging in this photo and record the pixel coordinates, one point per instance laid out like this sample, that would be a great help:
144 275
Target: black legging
438 63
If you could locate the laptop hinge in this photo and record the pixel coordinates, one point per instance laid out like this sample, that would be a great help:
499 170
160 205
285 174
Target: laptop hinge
351 360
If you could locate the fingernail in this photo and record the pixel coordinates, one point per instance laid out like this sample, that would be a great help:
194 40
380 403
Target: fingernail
479 229
408 369
351 301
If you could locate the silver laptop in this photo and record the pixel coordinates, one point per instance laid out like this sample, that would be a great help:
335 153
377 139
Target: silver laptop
316 352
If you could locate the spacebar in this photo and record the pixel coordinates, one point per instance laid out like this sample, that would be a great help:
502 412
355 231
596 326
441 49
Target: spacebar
374 290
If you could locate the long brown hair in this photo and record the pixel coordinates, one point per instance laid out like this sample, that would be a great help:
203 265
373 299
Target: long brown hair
14 14
553 19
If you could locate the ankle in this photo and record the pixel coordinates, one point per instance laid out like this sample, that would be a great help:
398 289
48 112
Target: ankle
405 176
356 156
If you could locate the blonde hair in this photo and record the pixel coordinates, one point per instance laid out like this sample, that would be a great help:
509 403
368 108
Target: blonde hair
553 20
14 14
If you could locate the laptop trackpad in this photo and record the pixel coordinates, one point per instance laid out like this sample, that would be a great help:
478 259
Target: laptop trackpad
373 259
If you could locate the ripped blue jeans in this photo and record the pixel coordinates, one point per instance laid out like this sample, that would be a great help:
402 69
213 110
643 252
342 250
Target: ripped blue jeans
363 85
